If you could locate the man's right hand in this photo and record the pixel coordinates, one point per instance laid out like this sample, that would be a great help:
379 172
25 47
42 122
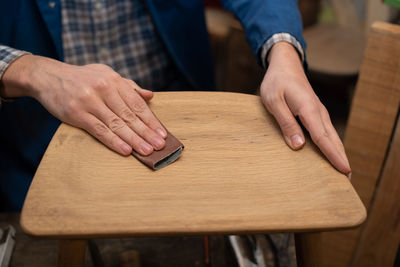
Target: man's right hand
92 97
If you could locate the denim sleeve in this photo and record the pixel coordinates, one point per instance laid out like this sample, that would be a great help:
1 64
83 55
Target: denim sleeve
262 19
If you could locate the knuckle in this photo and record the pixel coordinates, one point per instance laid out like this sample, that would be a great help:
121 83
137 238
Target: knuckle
308 109
100 130
100 83
287 125
128 116
112 76
139 106
106 83
86 95
272 99
116 124
71 108
320 137
324 111
323 108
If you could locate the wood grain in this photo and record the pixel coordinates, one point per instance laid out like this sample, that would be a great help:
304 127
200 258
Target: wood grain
236 175
380 238
368 135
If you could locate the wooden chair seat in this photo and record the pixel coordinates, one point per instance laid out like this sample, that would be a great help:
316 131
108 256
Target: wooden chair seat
236 175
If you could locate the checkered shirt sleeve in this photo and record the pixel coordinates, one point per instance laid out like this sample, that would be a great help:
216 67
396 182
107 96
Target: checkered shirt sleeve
280 37
7 56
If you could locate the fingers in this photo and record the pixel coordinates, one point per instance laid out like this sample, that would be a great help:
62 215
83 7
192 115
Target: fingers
127 115
324 135
99 130
140 108
334 136
126 124
146 94
285 78
291 130
89 97
120 128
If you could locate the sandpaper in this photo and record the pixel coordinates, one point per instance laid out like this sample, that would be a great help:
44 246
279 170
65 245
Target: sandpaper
161 158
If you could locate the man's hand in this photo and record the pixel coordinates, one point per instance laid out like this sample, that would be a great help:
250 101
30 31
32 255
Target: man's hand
92 97
286 93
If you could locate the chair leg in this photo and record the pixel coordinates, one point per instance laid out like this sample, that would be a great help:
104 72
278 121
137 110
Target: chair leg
307 254
97 259
299 250
71 252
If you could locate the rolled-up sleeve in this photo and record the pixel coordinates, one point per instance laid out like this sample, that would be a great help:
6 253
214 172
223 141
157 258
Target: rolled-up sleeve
7 56
276 38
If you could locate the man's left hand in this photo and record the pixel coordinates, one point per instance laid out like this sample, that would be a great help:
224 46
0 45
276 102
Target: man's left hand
286 93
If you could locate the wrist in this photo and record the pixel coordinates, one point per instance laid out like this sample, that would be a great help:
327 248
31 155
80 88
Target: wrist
16 80
284 52
29 75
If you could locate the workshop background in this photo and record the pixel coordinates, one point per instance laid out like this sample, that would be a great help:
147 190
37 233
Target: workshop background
336 32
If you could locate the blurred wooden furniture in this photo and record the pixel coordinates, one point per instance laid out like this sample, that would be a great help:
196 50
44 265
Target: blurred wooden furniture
309 10
236 175
372 142
333 50
236 68
334 56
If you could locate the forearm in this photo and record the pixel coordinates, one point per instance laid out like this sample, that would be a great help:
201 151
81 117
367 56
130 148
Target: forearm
16 78
31 75
92 97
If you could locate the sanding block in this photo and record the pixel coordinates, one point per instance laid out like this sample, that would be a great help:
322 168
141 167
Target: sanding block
161 158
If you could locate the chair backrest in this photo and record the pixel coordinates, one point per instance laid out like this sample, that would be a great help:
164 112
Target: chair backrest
372 141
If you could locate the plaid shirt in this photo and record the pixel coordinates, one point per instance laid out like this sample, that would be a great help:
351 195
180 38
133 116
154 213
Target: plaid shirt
121 34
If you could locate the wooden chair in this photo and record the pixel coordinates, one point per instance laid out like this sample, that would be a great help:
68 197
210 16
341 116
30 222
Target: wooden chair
236 175
372 142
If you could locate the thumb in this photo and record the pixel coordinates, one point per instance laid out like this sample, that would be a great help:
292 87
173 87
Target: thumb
146 94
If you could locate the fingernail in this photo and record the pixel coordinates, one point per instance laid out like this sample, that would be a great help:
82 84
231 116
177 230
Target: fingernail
146 148
161 132
158 142
126 148
349 176
297 141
